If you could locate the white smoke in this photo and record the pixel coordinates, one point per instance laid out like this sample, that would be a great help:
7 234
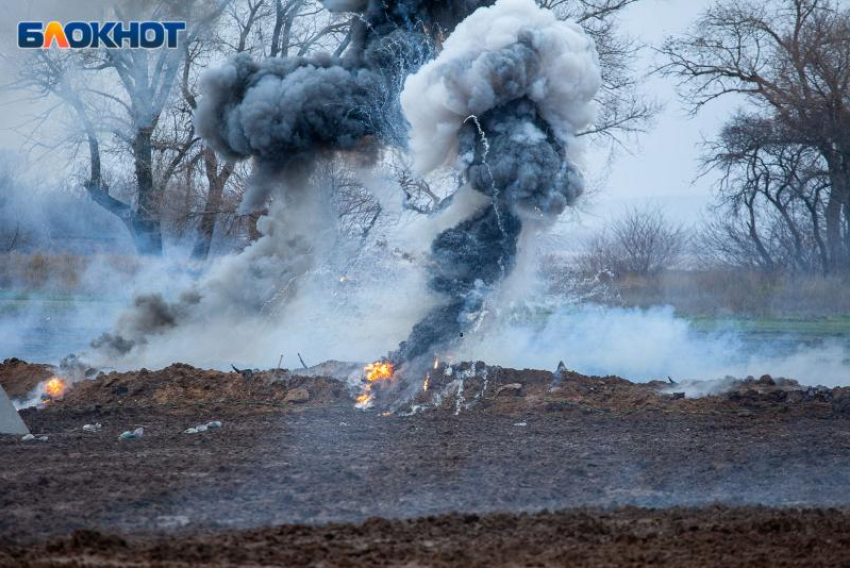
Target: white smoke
649 344
468 77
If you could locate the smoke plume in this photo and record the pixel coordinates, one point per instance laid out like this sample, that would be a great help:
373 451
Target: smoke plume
288 115
503 100
284 112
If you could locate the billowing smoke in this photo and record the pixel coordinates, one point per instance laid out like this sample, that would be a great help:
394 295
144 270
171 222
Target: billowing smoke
284 112
503 100
289 114
255 282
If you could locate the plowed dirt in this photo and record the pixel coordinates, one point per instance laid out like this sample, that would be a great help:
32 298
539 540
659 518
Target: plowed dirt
456 480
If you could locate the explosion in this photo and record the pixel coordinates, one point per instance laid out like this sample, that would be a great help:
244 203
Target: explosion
54 389
505 100
375 373
498 90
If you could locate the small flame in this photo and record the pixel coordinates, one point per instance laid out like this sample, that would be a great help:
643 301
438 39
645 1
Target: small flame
374 373
426 383
378 371
55 388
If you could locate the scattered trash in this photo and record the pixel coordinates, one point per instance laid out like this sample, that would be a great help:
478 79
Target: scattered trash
128 435
31 438
520 423
214 425
92 427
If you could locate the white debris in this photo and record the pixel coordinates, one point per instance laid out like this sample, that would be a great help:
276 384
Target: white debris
92 427
520 423
28 438
128 435
449 371
214 425
42 438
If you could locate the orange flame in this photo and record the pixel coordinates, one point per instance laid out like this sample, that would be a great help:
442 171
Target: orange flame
55 388
374 373
378 372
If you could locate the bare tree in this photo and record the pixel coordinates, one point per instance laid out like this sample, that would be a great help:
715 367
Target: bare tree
641 242
790 59
775 188
122 94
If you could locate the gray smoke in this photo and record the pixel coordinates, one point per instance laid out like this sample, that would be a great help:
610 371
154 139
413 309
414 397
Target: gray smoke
502 100
287 114
496 99
284 112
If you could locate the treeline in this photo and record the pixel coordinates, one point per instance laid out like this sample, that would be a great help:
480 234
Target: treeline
784 158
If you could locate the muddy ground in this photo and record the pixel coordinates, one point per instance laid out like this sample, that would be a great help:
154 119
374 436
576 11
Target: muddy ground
293 451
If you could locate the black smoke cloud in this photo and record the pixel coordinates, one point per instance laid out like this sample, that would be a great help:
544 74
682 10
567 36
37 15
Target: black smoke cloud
502 104
283 112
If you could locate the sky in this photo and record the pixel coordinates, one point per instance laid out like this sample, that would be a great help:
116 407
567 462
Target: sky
660 168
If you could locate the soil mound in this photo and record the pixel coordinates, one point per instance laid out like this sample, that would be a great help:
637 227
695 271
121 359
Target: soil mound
19 378
447 388
183 386
472 386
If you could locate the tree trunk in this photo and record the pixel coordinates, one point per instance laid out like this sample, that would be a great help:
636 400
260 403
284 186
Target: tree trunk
839 198
766 260
147 231
216 181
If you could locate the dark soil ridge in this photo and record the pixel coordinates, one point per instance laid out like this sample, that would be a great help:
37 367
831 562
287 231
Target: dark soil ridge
465 387
712 536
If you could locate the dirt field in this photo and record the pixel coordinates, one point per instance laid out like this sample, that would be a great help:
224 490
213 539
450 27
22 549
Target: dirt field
293 451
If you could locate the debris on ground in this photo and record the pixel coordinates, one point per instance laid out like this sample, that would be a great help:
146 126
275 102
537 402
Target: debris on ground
31 438
135 434
467 387
96 427
214 425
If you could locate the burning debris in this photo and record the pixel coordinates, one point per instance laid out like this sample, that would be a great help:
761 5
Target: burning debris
379 373
54 389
